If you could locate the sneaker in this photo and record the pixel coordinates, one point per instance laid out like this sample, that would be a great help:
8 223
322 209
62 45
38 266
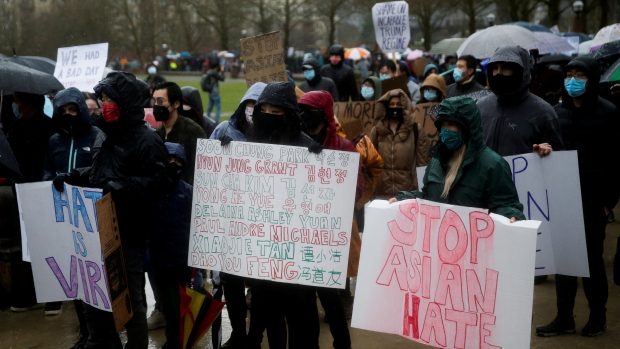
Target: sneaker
593 329
53 308
22 308
156 320
556 327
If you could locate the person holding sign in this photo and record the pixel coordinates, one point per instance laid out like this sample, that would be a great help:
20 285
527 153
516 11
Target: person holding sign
341 74
463 170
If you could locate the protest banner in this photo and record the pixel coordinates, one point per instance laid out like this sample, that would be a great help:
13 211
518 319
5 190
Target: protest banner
391 22
273 212
397 82
81 66
362 112
550 191
263 58
446 276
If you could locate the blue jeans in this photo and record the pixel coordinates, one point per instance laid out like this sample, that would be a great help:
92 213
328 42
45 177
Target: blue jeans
215 100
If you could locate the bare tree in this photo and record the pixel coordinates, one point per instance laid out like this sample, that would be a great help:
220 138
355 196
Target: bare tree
329 10
471 9
428 14
221 15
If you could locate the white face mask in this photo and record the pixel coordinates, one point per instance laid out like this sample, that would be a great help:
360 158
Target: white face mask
248 114
152 70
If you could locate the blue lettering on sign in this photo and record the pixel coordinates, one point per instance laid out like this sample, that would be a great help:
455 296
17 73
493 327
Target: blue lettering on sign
75 207
530 201
61 201
516 169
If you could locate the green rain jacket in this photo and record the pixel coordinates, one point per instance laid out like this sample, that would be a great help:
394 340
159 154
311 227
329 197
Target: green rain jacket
484 179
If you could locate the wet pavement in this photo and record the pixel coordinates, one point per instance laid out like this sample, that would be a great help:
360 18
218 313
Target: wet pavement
34 330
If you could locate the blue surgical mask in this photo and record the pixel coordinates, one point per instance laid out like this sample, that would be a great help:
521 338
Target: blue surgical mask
430 95
451 66
457 74
384 76
152 70
452 139
367 92
575 87
309 74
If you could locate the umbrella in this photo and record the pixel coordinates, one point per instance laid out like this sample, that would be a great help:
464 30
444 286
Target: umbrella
533 27
559 59
613 73
356 53
608 50
415 54
584 47
607 34
18 78
447 46
7 159
43 64
582 37
483 43
198 310
550 43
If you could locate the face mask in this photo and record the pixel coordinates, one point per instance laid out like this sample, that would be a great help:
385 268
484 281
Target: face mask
248 114
152 70
575 87
312 119
452 139
111 112
174 171
451 66
16 110
368 92
430 95
161 113
502 84
309 74
394 113
384 77
267 126
457 74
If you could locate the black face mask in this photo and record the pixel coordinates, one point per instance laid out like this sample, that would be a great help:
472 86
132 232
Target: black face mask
268 127
161 113
394 113
505 85
312 118
174 171
68 121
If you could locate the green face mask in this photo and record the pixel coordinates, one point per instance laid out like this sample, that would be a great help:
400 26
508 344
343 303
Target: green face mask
452 139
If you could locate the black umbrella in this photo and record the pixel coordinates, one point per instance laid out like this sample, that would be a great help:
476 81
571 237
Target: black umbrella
8 163
18 78
43 64
609 50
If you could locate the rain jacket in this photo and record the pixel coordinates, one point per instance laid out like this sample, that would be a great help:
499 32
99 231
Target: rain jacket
593 131
72 146
425 118
484 179
191 97
342 75
235 127
319 83
132 159
377 87
396 149
456 89
512 124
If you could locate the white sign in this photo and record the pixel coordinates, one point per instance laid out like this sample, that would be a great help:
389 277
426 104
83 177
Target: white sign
550 192
64 244
273 212
391 21
81 66
446 276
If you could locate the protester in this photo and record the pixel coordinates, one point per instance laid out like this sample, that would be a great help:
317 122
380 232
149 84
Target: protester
276 121
313 81
240 122
167 106
412 86
394 136
193 109
433 92
94 107
589 124
153 78
433 89
341 74
210 83
463 170
430 68
464 75
387 69
515 121
371 89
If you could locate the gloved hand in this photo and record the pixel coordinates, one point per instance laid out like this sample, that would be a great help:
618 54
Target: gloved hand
315 148
225 140
62 178
113 187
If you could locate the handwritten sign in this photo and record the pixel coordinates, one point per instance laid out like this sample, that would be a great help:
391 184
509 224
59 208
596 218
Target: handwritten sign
263 58
64 244
363 112
81 66
391 21
446 276
550 192
273 212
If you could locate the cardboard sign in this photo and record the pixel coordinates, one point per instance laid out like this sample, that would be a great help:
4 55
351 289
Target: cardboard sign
391 22
550 191
351 112
446 276
110 238
263 58
81 66
273 212
397 82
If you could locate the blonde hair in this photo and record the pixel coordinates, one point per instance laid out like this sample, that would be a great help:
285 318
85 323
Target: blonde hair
453 169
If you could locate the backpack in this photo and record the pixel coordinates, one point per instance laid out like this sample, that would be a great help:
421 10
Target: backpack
207 83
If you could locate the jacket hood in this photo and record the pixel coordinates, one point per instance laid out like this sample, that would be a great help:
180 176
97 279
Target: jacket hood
428 67
314 64
592 70
176 150
438 82
463 111
131 94
377 86
280 94
322 100
68 96
253 92
404 99
191 97
519 56
408 120
337 49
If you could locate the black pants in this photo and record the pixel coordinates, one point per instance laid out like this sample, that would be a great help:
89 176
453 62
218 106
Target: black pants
168 281
234 292
331 300
595 286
